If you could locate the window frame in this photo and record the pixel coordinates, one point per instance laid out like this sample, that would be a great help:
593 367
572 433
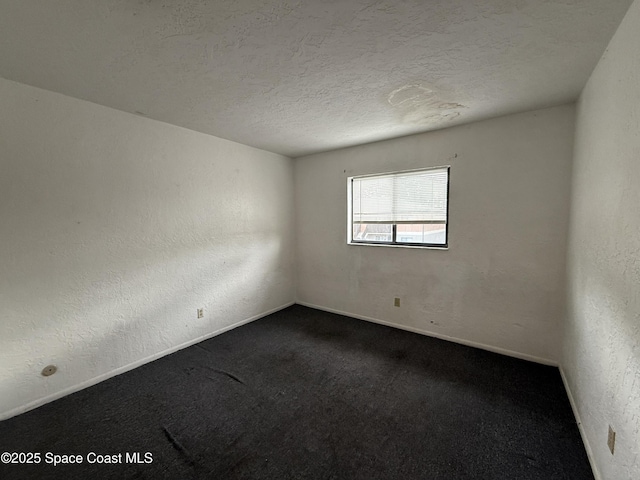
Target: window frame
394 242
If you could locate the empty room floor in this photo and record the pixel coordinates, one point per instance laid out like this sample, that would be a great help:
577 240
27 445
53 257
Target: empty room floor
307 394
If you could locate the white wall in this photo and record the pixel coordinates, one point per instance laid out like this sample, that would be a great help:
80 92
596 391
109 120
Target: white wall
114 229
501 283
601 356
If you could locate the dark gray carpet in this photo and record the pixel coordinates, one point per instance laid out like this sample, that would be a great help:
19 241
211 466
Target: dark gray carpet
306 394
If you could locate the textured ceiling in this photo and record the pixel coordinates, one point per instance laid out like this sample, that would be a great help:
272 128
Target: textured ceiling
298 77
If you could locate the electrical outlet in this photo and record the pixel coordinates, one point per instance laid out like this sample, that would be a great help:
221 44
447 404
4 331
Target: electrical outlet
200 312
396 302
611 439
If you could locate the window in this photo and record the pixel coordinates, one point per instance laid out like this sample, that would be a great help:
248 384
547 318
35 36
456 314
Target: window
402 208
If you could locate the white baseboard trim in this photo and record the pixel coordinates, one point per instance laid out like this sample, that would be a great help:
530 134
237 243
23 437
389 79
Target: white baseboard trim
490 348
585 440
87 383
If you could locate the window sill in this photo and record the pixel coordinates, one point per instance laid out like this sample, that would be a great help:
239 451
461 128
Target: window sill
420 247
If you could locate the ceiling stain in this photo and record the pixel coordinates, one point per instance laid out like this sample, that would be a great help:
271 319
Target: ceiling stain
419 104
410 94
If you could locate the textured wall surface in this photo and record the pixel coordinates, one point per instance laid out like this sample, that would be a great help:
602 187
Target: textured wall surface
501 283
299 77
115 229
601 357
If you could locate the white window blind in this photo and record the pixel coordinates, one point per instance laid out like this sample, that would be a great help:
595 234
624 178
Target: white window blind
408 197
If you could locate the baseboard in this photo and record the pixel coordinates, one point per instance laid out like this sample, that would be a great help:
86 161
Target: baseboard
490 348
87 383
585 440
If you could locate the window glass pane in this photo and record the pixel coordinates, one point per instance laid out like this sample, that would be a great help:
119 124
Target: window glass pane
421 233
401 197
420 196
372 232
